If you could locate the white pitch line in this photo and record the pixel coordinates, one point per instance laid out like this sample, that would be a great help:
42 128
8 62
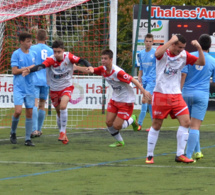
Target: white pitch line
108 165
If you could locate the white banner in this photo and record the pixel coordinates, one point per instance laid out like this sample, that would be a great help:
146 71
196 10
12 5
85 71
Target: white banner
87 93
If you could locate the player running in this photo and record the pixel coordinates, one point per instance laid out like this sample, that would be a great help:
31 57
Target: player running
59 77
120 107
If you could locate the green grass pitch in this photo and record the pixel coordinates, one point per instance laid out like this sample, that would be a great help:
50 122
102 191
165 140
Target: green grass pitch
87 166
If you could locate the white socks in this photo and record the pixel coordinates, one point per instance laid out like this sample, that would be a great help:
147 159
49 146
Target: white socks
152 140
182 137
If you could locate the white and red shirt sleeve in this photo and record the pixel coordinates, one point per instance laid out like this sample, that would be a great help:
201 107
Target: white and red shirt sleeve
73 59
191 59
124 77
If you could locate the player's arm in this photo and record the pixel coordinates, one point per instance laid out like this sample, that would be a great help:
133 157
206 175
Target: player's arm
140 76
84 62
201 60
183 77
161 50
87 70
33 69
146 94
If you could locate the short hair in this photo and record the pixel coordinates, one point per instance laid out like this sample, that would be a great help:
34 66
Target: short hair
205 41
58 44
181 39
24 35
41 35
150 36
108 52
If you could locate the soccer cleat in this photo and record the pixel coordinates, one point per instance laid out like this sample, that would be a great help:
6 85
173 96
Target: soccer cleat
148 129
29 143
117 144
65 141
134 124
62 136
198 155
150 160
13 138
184 159
139 127
35 134
39 133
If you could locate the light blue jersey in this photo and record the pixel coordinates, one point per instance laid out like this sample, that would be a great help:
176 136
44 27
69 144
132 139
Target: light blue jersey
147 62
197 84
43 51
198 77
21 60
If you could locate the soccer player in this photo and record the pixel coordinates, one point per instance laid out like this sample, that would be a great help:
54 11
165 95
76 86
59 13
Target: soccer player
196 84
41 88
59 78
120 106
147 74
22 87
167 99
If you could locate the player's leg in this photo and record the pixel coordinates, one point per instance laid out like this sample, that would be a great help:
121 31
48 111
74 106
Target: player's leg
42 113
29 104
142 111
18 101
35 112
63 117
193 138
161 110
152 139
199 108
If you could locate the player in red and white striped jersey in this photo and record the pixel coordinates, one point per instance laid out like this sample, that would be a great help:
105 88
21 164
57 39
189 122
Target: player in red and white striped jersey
120 107
167 98
59 78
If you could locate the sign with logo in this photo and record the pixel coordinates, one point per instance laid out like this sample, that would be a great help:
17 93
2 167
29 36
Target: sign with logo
159 28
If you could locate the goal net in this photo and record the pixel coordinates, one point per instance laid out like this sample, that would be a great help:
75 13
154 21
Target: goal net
83 25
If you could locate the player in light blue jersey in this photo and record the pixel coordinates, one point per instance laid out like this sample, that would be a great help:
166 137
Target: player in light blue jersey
41 88
22 86
147 74
196 85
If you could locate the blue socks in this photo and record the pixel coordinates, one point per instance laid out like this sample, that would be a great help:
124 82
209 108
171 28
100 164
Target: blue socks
142 114
192 142
15 122
41 118
35 119
28 128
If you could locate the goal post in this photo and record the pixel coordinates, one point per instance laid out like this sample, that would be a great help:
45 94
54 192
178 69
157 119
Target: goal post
84 26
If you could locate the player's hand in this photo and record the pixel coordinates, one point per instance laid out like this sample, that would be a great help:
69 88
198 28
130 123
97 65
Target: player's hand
196 44
90 69
147 97
25 72
174 38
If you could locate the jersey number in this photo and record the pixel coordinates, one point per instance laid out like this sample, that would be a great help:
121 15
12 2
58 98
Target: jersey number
44 54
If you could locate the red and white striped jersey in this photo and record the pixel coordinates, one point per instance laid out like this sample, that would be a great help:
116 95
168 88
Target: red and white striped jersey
59 74
120 81
168 71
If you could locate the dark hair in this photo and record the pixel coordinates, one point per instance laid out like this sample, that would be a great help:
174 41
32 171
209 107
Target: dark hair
24 35
58 44
205 41
41 35
149 35
108 52
181 39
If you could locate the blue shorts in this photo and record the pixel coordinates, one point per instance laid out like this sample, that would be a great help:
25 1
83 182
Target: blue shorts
20 98
149 86
41 92
197 102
